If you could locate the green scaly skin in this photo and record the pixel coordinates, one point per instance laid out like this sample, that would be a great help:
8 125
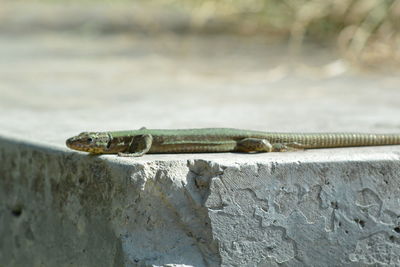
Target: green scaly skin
142 141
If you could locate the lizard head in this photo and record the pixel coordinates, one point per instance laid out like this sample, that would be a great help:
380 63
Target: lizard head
92 142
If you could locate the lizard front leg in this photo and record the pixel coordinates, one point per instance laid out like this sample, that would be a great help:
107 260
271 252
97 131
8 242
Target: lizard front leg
139 146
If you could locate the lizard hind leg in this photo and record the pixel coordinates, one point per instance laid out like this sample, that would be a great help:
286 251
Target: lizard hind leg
250 145
139 146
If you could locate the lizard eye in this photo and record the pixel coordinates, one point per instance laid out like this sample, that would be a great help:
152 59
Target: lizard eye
89 140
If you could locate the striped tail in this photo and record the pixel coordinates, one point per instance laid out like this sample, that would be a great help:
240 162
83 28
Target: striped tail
325 140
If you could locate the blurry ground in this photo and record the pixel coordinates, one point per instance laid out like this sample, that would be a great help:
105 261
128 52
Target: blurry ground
65 69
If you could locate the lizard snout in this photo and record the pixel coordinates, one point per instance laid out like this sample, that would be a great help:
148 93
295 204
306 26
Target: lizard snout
74 143
92 142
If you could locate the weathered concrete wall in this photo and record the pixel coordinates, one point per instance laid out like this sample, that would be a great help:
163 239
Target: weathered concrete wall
320 208
60 209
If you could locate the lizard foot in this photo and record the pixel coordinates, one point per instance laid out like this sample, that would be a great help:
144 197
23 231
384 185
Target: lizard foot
284 147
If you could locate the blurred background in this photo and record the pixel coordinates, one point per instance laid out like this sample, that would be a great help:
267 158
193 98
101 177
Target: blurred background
309 65
363 32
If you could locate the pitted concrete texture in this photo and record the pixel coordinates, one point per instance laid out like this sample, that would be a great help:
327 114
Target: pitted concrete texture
307 208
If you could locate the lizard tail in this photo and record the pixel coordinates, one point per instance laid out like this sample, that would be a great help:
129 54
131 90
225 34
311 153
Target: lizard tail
326 140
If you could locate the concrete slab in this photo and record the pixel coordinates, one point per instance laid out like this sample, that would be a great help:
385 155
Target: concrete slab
322 207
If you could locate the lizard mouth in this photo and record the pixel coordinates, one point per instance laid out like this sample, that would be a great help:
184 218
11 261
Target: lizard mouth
76 144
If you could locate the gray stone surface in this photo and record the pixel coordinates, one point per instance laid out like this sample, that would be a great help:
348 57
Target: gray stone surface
312 208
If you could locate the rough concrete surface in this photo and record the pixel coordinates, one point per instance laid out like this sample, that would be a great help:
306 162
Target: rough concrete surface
332 207
313 208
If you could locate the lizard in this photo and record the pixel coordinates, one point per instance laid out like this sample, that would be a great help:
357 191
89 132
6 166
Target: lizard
136 143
